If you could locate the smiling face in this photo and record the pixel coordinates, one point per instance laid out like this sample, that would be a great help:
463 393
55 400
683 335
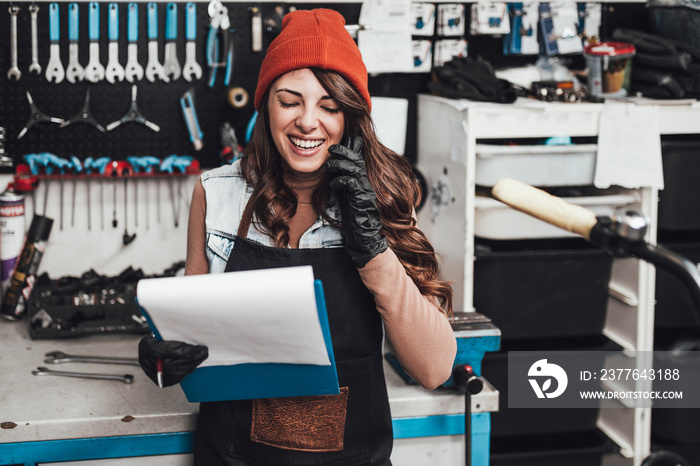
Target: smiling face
304 120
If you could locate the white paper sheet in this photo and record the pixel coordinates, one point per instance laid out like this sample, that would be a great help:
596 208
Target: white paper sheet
629 147
390 116
258 316
386 45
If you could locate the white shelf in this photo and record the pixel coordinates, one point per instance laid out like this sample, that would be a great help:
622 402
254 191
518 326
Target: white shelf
448 132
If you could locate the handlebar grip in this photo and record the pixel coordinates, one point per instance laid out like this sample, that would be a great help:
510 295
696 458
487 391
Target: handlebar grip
542 205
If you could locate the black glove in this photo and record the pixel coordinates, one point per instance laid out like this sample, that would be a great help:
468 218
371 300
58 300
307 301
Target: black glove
467 78
358 202
179 359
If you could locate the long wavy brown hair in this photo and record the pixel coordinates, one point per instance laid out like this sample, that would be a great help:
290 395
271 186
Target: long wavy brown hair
391 176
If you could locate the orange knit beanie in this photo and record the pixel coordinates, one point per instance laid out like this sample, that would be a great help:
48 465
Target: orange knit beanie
313 39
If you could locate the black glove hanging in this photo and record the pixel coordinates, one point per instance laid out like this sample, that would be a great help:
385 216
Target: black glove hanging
358 202
179 359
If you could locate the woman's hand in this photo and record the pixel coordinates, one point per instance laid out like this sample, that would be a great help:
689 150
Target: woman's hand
179 359
358 202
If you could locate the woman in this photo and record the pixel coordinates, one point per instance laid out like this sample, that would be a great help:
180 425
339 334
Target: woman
315 187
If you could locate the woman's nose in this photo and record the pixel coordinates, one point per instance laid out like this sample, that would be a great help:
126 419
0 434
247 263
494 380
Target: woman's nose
307 120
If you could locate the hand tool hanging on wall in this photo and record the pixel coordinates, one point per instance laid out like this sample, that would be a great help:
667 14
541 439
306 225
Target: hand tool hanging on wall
94 72
54 70
231 150
85 116
190 115
88 166
145 163
44 159
101 165
191 68
74 70
114 175
170 62
153 68
36 116
169 165
76 167
29 183
114 71
34 66
126 237
219 38
134 70
13 72
62 165
133 115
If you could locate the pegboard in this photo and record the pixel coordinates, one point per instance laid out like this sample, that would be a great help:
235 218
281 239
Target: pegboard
157 101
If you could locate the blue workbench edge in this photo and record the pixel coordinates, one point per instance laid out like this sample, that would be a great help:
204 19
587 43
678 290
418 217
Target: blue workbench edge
174 443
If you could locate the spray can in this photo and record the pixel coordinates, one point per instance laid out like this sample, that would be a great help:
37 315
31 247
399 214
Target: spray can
11 233
14 303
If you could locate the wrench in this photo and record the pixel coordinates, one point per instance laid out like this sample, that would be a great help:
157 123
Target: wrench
134 71
153 68
34 66
59 357
94 72
126 378
13 72
74 71
114 69
191 68
170 62
54 70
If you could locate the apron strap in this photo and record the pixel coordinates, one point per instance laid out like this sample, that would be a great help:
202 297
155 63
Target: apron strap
246 218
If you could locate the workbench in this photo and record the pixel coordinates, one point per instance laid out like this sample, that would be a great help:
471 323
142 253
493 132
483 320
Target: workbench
47 419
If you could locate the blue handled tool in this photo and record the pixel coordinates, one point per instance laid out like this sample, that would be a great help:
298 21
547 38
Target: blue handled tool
190 114
94 71
219 39
54 70
170 63
191 68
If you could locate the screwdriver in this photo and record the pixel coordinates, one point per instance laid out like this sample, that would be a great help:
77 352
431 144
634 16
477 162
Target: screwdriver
101 165
88 165
76 167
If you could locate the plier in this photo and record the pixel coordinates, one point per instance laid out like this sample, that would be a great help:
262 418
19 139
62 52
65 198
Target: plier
219 25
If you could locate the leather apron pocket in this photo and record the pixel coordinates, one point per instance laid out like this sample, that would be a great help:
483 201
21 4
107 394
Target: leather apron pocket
302 423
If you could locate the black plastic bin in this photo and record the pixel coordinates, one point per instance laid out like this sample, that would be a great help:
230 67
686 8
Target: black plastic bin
674 306
690 453
570 449
542 288
507 422
679 201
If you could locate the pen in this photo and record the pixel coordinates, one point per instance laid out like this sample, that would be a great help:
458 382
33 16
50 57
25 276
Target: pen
159 369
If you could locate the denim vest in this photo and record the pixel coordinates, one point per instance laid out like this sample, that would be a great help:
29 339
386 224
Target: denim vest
227 194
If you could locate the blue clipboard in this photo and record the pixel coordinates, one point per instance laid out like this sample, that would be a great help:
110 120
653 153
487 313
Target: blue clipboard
263 380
